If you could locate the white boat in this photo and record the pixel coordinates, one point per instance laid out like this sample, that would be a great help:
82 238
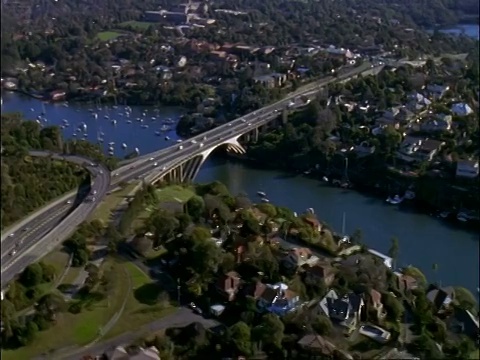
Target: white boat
395 200
110 149
65 121
158 133
124 146
462 217
265 200
167 138
307 172
444 214
137 151
114 122
95 116
107 117
311 211
261 193
111 143
100 139
144 126
31 109
179 140
129 121
325 179
165 128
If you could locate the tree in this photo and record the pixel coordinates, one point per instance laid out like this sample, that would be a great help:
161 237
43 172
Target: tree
268 209
241 337
270 331
393 306
195 207
32 275
393 251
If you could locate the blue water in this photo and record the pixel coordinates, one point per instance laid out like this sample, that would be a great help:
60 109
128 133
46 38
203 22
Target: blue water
470 30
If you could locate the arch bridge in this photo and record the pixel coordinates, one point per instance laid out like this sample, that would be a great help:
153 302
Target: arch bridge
189 158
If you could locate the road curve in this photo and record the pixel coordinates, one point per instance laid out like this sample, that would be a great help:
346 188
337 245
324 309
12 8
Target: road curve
53 224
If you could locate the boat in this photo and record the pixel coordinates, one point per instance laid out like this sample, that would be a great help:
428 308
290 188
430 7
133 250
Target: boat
167 138
158 133
129 121
110 148
165 128
261 193
124 145
65 121
325 179
32 109
311 211
137 151
265 200
169 121
111 153
111 143
461 216
444 214
114 122
144 126
307 172
106 117
95 116
395 200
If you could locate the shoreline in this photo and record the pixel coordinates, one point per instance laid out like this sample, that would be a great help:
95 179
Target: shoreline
381 194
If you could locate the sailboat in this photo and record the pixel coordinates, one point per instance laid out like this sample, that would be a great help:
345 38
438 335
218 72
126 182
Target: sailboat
345 238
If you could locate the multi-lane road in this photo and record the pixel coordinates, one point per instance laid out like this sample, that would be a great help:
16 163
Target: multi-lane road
46 228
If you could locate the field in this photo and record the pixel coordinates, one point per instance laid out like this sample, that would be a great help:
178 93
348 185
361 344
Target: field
139 25
79 329
108 35
144 303
175 193
111 202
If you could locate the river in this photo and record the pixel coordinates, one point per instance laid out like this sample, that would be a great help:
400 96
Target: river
423 240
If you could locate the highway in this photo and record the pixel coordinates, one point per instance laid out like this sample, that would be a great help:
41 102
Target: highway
48 227
18 247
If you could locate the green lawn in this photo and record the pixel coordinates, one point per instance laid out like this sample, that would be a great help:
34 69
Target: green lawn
175 193
140 25
108 35
475 354
142 306
79 329
111 202
71 275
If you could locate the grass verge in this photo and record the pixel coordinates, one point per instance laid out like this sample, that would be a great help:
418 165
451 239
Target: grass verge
111 202
175 193
143 304
108 35
78 329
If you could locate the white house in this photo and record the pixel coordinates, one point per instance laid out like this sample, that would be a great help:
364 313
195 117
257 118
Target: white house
461 109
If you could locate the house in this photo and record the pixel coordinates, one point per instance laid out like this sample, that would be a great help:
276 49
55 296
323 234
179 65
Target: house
120 353
418 102
345 310
406 283
461 109
437 91
376 305
464 322
286 301
364 149
319 273
314 223
467 168
418 149
228 285
318 344
58 95
271 80
441 298
440 123
254 290
297 257
277 299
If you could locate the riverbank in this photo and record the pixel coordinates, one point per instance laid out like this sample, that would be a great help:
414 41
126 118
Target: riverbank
383 189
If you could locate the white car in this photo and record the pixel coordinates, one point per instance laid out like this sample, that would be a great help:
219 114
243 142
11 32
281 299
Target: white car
194 141
13 252
69 202
201 145
155 164
229 124
151 159
204 138
11 235
249 124
180 147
